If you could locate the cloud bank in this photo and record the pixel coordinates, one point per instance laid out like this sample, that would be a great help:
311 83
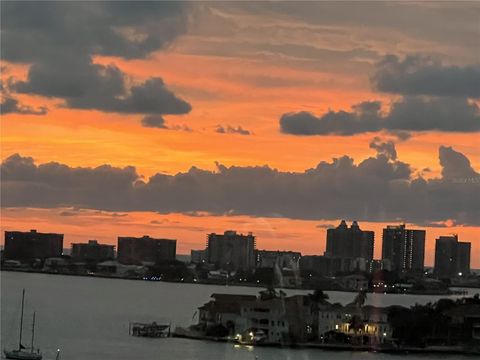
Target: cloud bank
421 75
376 189
407 114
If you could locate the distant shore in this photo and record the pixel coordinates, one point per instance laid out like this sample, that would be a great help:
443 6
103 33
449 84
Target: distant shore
240 284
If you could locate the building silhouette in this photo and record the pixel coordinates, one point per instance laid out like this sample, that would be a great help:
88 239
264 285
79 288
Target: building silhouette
452 258
92 251
403 248
350 242
282 259
231 251
325 265
133 250
198 256
32 245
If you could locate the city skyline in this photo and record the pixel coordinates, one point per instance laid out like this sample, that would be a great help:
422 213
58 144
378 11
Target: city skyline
356 245
178 119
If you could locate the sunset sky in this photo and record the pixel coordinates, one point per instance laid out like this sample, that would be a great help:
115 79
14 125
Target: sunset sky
177 119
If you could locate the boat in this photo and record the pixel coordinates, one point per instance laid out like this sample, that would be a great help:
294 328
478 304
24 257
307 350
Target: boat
252 337
23 353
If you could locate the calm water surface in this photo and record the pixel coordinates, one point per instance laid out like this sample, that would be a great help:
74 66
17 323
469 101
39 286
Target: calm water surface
88 319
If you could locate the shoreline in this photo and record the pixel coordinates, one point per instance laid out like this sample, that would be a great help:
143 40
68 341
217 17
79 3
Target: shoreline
249 285
446 350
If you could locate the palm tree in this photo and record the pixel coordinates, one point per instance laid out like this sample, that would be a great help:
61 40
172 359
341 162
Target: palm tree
270 293
356 323
360 298
318 296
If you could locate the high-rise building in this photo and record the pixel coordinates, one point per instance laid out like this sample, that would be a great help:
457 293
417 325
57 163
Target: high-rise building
350 242
463 258
132 250
28 246
404 248
92 251
231 251
326 265
452 258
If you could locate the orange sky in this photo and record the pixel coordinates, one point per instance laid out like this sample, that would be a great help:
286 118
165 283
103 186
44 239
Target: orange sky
224 90
91 138
307 237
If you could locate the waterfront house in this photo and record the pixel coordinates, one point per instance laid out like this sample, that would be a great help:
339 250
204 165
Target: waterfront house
302 317
331 318
224 310
363 325
376 324
280 318
267 315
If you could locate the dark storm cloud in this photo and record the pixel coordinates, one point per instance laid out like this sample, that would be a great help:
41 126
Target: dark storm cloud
408 114
232 130
60 40
41 32
421 75
376 189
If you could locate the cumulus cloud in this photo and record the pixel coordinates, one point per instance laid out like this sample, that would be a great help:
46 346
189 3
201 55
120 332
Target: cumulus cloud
10 105
154 122
375 189
157 121
54 184
61 39
422 75
386 148
435 97
455 165
231 130
407 114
